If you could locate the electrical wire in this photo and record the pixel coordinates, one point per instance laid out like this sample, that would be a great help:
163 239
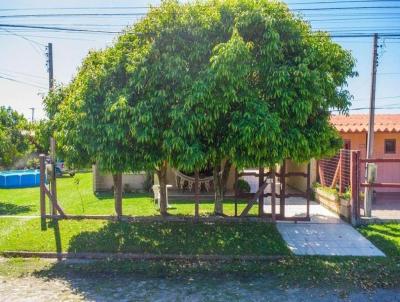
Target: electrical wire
4 71
21 82
58 28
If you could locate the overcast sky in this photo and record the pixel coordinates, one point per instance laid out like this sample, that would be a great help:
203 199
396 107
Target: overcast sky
24 78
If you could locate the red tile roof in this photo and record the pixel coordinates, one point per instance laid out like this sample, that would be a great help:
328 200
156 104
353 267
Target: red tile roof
359 122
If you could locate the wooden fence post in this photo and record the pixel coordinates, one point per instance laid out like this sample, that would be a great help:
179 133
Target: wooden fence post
273 194
308 189
196 196
341 187
236 192
42 191
283 190
355 187
52 181
261 195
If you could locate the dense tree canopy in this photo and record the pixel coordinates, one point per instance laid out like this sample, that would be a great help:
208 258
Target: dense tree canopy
13 136
240 82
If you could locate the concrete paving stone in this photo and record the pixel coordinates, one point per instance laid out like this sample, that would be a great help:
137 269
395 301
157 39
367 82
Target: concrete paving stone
323 238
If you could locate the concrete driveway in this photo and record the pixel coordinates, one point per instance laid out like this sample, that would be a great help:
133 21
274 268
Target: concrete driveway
326 234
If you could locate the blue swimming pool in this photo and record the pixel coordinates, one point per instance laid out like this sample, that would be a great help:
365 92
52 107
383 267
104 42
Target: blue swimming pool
19 178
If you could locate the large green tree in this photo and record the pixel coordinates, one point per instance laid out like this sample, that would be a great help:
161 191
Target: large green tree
91 122
261 91
14 141
240 82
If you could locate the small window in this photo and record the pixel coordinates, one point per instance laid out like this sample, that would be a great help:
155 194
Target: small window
347 144
390 146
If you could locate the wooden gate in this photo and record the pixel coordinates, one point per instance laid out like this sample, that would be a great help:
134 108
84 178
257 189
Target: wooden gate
269 179
48 187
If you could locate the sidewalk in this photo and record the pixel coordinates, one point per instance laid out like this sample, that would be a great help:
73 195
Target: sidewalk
326 234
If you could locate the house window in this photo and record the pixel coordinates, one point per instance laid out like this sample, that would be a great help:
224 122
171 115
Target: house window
347 144
390 146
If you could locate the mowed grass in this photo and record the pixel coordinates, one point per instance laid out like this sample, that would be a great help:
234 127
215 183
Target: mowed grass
343 273
79 199
158 238
384 236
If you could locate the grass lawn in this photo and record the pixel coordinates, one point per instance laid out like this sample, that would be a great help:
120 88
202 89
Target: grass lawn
181 238
344 273
158 238
80 199
384 236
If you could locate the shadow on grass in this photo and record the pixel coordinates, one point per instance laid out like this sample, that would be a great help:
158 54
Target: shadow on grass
110 195
182 238
96 279
12 209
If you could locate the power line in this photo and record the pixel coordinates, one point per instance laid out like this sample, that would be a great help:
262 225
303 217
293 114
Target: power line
334 34
23 37
33 43
72 15
156 6
57 28
21 82
344 8
22 73
343 1
78 8
16 78
144 13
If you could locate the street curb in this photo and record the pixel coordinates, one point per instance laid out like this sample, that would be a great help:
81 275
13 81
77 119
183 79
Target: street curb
133 256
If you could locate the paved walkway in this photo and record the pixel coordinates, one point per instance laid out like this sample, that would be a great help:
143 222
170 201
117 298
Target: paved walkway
326 234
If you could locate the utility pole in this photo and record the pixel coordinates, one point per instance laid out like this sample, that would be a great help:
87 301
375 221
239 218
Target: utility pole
53 189
50 65
370 143
33 113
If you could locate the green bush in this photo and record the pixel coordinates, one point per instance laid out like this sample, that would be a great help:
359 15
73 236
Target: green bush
243 186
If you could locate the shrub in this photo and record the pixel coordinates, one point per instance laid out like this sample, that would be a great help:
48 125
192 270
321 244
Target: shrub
243 186
127 188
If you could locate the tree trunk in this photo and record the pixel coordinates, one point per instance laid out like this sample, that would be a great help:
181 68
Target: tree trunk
220 176
117 178
162 178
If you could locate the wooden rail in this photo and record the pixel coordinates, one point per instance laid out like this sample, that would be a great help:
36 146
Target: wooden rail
380 160
381 185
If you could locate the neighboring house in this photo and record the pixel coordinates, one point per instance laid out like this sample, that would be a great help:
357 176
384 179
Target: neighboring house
354 131
179 182
103 182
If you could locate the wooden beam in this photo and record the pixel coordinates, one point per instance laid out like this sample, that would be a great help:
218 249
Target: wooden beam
236 192
197 189
381 185
42 186
252 201
289 174
255 174
273 194
380 160
42 161
336 176
261 195
321 174
354 185
341 186
152 219
283 189
308 190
